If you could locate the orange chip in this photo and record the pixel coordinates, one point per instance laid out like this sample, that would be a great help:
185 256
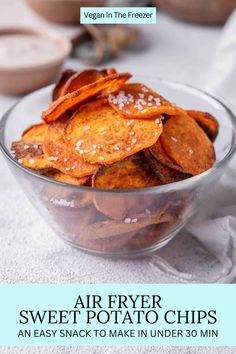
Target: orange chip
139 101
112 244
65 201
30 155
123 205
164 173
128 241
83 78
207 122
59 153
150 235
29 150
71 80
160 155
108 84
132 172
69 220
186 143
35 134
59 88
110 71
38 163
62 177
100 135
108 228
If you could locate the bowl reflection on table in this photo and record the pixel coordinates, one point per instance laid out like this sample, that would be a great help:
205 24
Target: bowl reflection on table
114 222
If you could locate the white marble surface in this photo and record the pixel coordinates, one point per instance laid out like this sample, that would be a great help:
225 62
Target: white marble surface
31 253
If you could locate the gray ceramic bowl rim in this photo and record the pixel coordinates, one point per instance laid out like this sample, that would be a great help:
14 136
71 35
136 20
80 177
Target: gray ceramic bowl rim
172 187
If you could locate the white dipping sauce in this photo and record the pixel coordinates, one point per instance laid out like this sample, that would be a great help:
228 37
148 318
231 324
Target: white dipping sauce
23 50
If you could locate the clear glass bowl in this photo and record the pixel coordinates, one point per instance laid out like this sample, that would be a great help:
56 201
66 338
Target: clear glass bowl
111 222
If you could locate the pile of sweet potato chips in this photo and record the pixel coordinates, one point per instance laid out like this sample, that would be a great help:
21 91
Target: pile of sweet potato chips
103 132
100 126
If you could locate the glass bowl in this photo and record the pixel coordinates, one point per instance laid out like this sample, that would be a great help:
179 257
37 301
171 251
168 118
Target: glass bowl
114 222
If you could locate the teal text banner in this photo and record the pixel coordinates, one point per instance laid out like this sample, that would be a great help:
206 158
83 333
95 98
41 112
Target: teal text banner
118 15
117 315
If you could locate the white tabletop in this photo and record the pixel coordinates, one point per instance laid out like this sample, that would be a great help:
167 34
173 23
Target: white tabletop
30 252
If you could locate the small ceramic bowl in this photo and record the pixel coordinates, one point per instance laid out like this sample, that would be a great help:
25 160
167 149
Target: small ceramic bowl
18 80
62 11
211 12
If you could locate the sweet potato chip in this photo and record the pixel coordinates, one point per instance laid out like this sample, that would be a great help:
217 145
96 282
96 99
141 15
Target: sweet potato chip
164 173
62 177
159 154
68 201
109 228
61 156
59 88
72 100
136 100
29 150
150 235
186 143
110 71
207 122
74 230
125 206
67 74
100 135
131 241
21 149
70 221
35 134
82 78
30 155
65 202
130 173
112 244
